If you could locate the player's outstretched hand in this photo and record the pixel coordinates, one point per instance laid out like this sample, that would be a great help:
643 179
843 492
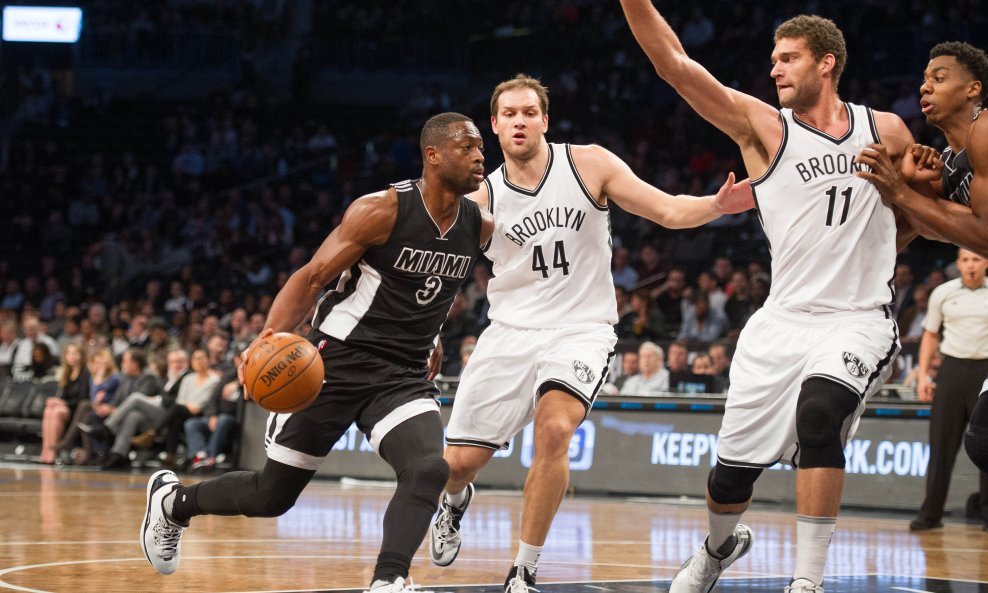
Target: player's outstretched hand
436 360
735 197
246 354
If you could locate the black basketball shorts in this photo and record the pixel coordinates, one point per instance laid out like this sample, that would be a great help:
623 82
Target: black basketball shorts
360 387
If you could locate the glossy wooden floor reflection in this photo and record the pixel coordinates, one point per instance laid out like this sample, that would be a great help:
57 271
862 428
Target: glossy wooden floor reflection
69 531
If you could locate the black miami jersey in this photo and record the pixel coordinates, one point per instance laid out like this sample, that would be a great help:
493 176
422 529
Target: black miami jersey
956 175
393 302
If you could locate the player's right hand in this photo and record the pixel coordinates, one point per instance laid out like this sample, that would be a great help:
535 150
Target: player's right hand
921 163
246 354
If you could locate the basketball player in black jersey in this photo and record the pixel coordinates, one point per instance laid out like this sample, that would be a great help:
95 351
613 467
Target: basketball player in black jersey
955 87
400 255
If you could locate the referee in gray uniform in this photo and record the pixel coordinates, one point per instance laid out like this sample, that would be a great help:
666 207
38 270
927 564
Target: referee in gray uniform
960 309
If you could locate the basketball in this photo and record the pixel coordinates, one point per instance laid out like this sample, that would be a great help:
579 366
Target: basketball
283 373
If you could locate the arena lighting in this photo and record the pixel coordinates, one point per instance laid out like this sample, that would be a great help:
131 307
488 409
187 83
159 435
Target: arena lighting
51 24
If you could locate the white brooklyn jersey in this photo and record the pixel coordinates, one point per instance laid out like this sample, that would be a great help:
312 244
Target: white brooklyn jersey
832 238
551 250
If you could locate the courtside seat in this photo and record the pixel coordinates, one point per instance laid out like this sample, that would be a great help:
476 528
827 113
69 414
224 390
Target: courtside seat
34 408
21 409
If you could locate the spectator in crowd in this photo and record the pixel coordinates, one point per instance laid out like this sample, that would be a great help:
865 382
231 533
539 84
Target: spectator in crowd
455 368
621 271
629 368
73 388
134 409
702 365
460 323
160 343
8 345
194 392
738 307
476 291
723 272
92 341
670 297
218 348
902 281
935 278
216 423
103 385
652 271
652 378
33 334
701 323
44 366
677 360
707 284
178 368
911 320
720 359
643 321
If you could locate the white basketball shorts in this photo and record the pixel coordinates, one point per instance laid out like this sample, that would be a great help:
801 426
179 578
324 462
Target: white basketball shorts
778 350
501 383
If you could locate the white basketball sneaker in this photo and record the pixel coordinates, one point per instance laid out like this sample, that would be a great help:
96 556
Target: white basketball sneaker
398 585
161 536
700 572
803 586
444 534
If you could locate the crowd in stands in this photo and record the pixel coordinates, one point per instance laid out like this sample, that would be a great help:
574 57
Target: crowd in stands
152 239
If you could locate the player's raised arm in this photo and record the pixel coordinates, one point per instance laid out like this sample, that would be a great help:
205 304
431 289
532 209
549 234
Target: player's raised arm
610 177
734 113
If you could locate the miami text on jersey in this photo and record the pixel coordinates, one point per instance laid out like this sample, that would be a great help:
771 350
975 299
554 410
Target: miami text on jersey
435 263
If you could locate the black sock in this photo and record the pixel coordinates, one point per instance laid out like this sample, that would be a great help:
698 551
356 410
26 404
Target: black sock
184 506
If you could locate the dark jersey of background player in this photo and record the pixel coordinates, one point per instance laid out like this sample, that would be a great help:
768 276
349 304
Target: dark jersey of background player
400 255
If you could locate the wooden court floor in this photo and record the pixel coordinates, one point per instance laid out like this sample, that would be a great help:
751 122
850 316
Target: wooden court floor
66 531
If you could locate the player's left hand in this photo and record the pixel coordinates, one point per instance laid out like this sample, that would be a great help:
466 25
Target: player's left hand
734 197
436 360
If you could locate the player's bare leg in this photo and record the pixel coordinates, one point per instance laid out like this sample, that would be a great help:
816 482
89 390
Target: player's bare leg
557 416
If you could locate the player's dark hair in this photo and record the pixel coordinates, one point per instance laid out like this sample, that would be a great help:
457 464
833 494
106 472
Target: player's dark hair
972 58
436 129
822 37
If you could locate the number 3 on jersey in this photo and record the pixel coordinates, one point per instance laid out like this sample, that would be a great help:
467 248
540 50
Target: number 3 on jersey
558 260
433 284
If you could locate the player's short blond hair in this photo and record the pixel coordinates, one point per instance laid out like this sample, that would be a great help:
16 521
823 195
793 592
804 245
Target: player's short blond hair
521 81
822 37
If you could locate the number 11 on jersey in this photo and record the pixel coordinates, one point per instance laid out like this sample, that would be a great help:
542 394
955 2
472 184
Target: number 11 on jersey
832 194
558 260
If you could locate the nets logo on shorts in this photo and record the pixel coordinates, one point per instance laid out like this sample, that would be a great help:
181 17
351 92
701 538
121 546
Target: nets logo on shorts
583 372
854 365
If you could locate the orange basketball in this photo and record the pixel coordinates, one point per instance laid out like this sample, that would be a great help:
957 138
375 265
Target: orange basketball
284 373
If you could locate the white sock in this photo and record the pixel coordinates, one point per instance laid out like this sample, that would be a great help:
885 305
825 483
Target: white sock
721 529
813 535
528 556
457 500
